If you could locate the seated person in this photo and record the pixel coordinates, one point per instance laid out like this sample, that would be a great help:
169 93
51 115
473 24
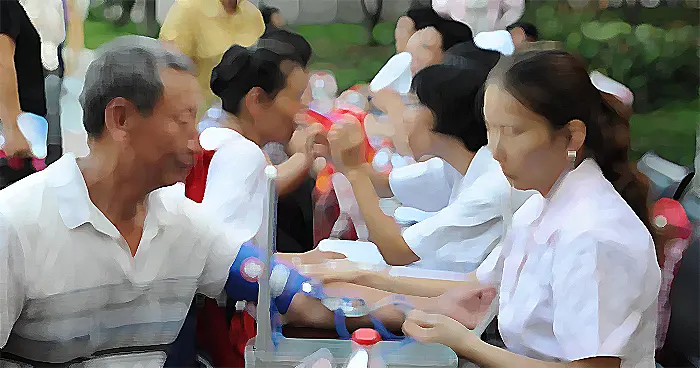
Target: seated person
127 251
408 183
448 124
260 89
574 292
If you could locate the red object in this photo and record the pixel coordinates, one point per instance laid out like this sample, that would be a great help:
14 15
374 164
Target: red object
674 218
326 208
366 337
223 340
17 163
669 216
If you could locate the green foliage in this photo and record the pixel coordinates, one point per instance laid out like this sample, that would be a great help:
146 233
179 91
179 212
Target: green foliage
342 48
670 132
659 65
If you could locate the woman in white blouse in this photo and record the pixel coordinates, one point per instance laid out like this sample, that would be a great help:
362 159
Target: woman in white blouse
446 124
577 274
260 89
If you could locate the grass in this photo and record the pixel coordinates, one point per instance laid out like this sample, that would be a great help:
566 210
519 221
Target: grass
669 131
342 48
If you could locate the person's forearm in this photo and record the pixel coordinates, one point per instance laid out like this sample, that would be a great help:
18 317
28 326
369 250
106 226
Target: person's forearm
380 181
412 285
9 96
309 312
488 356
383 230
291 173
76 31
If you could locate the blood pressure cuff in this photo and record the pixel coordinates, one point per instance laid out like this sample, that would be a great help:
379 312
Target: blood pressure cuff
242 283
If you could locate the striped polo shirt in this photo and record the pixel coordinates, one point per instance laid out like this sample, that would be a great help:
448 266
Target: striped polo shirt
71 291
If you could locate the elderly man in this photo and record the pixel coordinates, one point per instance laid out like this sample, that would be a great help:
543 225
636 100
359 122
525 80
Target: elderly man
100 257
205 29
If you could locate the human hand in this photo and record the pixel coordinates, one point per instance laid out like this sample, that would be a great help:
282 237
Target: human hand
16 143
317 256
438 329
346 139
465 304
387 100
308 139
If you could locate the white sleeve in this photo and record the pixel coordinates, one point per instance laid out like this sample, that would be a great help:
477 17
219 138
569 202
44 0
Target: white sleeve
491 269
604 298
12 291
236 189
221 253
463 233
423 185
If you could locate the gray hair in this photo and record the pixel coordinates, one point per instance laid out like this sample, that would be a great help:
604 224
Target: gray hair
127 67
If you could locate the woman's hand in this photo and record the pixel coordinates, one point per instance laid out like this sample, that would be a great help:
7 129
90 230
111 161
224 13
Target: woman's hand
340 270
387 100
317 256
308 258
308 139
465 304
439 329
346 140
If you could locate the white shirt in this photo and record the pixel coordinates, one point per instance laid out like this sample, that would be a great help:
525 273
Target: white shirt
427 186
460 236
69 286
236 190
578 276
481 15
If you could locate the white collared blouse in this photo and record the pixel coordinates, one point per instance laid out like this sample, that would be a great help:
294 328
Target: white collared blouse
577 275
460 236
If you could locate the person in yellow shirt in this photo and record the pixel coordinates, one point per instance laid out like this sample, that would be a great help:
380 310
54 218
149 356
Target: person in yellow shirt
205 29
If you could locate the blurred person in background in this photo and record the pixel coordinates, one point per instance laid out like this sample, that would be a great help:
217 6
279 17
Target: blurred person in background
522 33
481 15
273 18
50 18
205 29
417 17
428 44
21 86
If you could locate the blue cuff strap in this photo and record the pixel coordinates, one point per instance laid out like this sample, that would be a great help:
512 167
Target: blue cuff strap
242 283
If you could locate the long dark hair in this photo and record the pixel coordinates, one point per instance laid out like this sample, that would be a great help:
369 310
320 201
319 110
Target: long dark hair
556 85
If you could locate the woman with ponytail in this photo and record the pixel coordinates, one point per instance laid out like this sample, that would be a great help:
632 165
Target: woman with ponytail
577 275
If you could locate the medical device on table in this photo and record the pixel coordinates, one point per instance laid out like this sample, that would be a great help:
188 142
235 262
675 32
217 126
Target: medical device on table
271 349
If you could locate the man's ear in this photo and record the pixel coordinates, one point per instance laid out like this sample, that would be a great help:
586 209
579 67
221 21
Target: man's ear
120 118
577 135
